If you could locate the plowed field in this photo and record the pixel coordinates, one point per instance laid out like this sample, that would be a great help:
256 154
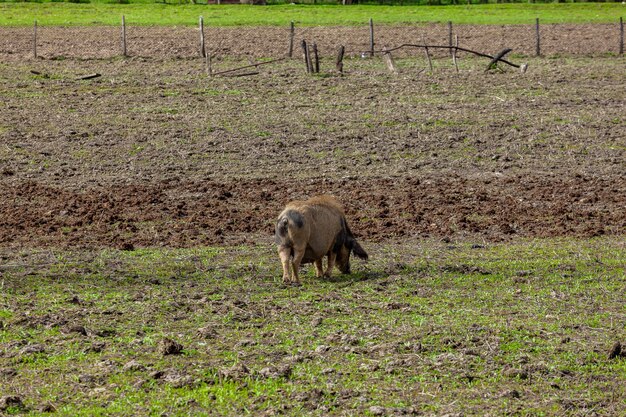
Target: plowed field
155 153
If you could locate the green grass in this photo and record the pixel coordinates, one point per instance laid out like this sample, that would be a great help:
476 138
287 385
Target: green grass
521 328
97 13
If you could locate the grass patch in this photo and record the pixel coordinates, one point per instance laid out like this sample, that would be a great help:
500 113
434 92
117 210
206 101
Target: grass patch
143 13
511 328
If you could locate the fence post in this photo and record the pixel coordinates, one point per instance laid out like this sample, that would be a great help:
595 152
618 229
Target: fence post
371 37
430 62
621 36
339 61
123 36
307 56
35 40
450 36
537 38
202 48
454 52
316 67
292 35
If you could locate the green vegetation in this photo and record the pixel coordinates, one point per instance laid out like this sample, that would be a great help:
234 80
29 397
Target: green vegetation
149 13
523 328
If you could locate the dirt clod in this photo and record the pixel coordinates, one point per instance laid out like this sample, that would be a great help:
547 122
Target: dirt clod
96 347
11 401
207 332
134 366
321 349
377 410
76 329
8 372
316 321
32 349
283 371
170 347
515 373
236 372
616 350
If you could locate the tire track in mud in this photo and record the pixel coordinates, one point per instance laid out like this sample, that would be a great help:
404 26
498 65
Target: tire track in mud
185 214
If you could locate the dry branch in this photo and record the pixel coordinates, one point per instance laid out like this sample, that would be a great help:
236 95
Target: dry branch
243 74
498 57
256 64
458 48
89 76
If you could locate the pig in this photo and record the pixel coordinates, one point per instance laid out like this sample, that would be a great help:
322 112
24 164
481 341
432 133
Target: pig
306 231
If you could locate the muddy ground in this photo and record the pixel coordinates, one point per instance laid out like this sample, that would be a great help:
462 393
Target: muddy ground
155 153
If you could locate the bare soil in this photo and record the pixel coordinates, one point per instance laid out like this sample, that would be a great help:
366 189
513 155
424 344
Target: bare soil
155 153
16 43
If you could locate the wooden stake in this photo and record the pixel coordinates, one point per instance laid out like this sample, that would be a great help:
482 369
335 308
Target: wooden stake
537 39
316 57
209 65
292 35
35 40
307 56
339 62
456 45
123 36
202 48
391 65
430 62
371 37
621 36
450 37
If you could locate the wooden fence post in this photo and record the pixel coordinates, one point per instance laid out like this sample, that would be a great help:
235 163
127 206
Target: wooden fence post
430 62
621 36
339 62
454 51
307 56
292 35
450 36
202 45
537 38
35 40
371 37
316 68
391 65
209 65
123 36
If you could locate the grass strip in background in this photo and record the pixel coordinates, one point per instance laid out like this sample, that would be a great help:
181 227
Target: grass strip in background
97 13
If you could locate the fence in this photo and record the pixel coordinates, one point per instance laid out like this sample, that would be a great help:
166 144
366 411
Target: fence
272 42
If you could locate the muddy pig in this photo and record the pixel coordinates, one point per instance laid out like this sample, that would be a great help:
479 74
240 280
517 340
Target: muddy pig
306 231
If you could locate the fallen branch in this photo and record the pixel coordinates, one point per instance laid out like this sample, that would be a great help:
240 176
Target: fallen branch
498 57
44 75
458 48
89 77
243 74
257 64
